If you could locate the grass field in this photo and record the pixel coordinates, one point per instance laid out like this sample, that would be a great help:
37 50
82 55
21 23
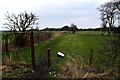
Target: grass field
80 44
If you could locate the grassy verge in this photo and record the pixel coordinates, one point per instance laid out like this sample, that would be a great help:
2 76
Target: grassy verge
79 43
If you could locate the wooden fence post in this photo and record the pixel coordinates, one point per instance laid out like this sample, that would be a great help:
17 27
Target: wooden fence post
48 57
91 57
6 46
32 49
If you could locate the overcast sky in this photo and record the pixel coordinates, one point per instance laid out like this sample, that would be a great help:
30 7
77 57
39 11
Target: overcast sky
56 13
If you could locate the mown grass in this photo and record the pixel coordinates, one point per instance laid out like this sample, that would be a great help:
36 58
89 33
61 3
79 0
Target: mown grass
80 44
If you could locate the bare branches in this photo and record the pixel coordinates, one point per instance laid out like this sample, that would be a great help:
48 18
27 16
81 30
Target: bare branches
20 22
117 4
108 15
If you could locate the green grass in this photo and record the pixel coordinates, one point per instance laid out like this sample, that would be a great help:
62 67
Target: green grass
23 54
80 44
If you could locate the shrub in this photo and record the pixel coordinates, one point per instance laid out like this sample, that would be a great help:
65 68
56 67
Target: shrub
73 68
20 40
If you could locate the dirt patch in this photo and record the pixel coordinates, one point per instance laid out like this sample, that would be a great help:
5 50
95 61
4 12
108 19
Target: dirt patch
12 68
40 71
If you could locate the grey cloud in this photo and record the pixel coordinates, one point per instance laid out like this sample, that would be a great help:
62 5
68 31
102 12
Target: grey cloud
81 13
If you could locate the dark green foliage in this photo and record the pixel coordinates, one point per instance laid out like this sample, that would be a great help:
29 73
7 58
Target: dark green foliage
49 34
5 41
111 51
73 28
65 28
21 39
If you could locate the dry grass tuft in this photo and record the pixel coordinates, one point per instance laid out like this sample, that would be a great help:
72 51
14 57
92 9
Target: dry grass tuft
7 61
75 68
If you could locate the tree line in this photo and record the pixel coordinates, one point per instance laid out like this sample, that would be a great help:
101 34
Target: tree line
108 16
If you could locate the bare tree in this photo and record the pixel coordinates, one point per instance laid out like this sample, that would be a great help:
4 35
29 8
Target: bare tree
104 23
116 3
112 45
20 22
73 28
108 15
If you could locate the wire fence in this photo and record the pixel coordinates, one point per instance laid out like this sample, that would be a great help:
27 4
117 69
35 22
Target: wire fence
20 46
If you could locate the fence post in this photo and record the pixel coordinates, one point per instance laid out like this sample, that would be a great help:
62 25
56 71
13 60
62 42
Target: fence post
32 49
48 57
90 57
6 46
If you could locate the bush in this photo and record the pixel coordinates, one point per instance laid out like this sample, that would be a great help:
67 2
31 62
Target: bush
111 52
49 34
20 40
